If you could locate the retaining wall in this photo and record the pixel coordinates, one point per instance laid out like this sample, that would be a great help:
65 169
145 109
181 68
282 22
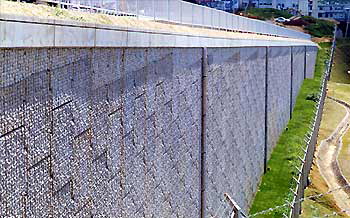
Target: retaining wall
298 70
116 132
236 125
278 93
311 52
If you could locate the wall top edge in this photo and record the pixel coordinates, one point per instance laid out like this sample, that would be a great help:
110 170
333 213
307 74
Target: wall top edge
66 33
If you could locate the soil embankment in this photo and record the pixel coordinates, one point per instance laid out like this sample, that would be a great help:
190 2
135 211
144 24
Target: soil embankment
327 161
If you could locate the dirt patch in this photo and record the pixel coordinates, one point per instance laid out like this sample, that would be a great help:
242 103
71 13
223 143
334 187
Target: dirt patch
327 161
323 39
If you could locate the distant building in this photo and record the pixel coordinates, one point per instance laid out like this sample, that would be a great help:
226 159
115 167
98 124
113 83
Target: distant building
300 6
224 5
335 11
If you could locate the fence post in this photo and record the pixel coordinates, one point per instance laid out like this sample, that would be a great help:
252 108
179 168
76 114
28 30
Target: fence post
236 209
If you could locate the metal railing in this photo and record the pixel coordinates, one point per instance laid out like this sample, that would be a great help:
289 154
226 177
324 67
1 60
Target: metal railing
177 11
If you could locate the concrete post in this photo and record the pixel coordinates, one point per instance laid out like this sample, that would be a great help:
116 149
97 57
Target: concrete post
204 84
291 83
236 210
266 102
305 61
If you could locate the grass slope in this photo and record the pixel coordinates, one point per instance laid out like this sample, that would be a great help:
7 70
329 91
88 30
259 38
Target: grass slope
275 186
341 63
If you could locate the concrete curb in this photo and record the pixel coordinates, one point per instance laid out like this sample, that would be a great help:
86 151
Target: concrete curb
20 31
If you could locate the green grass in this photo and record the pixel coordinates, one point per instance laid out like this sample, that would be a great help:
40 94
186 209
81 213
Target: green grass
268 13
275 186
341 62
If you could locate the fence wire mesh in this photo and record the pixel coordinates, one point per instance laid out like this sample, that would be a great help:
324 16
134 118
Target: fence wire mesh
179 12
311 139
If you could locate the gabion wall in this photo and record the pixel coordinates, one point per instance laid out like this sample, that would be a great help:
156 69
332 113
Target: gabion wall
236 124
116 132
279 81
298 71
311 53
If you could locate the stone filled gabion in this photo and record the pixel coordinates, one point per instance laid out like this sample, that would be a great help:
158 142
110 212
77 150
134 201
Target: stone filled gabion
116 132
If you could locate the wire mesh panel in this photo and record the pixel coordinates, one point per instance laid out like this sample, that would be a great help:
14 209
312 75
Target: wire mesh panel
175 10
222 19
208 17
161 9
229 21
146 8
129 6
179 11
271 29
259 26
280 31
244 24
108 4
198 15
235 22
251 25
186 12
216 18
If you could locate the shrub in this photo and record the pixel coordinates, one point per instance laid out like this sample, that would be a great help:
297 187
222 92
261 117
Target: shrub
320 28
268 13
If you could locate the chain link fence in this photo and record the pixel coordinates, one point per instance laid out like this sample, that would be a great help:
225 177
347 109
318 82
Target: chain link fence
311 140
177 11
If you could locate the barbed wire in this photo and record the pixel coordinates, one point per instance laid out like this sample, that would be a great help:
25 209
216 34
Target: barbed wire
300 200
334 213
308 135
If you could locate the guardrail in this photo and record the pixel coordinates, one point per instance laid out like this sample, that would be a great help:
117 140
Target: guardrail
177 11
311 140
